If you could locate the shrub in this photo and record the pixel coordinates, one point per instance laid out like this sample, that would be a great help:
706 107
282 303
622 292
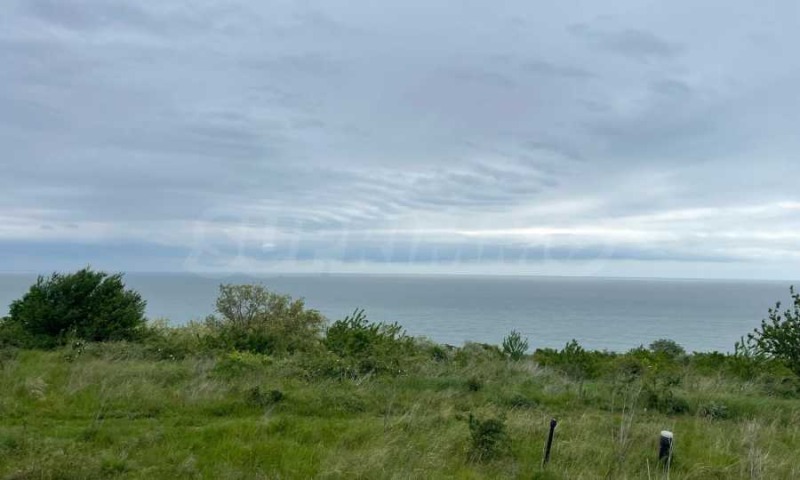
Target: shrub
177 342
744 363
715 411
776 385
439 354
488 438
13 335
251 318
710 363
628 368
664 400
236 363
474 384
86 305
472 353
519 400
515 346
780 336
667 348
369 347
575 361
257 397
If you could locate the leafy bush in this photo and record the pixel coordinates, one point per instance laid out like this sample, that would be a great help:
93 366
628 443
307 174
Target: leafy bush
667 348
369 347
710 363
575 361
474 384
664 400
251 318
776 385
744 364
780 336
519 400
439 353
86 305
257 397
236 363
628 368
472 353
715 411
177 342
13 335
515 346
488 438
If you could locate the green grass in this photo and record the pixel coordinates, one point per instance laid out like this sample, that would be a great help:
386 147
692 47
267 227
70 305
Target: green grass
112 411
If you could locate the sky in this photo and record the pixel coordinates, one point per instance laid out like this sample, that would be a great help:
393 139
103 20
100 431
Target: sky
625 138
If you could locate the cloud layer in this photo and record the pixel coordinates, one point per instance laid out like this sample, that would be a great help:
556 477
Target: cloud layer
633 139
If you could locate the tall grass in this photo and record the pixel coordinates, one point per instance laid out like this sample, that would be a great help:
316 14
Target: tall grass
124 410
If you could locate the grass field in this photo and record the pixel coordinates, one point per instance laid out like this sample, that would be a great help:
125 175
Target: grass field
120 410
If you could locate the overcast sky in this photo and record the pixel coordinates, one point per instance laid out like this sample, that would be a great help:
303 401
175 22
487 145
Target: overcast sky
627 138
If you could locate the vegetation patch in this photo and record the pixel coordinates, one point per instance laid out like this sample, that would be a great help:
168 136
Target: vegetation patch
264 390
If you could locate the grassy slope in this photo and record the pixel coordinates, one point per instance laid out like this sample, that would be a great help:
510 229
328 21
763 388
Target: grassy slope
110 413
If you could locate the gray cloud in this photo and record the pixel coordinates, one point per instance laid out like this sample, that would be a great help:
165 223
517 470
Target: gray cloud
543 67
633 43
301 135
85 15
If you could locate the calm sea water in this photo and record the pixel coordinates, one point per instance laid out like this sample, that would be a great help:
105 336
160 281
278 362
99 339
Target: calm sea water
614 314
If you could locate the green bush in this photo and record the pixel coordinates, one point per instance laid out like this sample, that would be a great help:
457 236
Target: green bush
628 368
368 347
87 305
167 342
779 337
439 353
236 363
474 384
13 335
251 318
743 364
664 400
488 437
715 411
777 385
667 348
710 363
473 353
257 397
519 400
575 361
515 346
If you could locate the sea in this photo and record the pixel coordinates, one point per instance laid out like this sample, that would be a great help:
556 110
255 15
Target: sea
600 313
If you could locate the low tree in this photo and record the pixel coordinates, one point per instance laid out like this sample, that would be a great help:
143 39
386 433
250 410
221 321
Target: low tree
514 346
779 334
90 305
254 319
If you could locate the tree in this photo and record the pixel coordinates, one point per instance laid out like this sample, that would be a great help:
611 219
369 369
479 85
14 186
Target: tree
515 346
254 319
667 348
779 335
87 304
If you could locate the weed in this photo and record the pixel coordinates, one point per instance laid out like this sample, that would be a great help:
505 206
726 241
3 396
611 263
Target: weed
257 397
474 384
488 439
